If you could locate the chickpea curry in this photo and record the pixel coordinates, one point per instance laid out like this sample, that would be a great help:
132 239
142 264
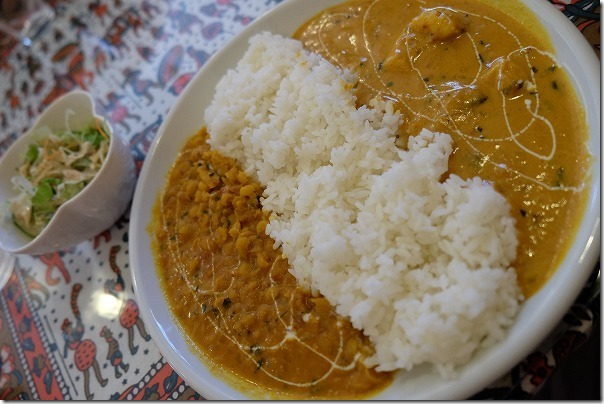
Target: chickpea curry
463 67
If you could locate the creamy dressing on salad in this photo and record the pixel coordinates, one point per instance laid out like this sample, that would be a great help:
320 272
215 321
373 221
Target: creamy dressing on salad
55 168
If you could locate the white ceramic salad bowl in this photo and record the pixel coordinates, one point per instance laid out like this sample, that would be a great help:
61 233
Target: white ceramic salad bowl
94 208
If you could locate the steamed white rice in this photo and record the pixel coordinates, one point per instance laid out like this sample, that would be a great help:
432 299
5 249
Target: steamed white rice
423 267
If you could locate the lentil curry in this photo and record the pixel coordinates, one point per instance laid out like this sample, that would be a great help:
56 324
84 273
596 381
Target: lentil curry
456 66
232 292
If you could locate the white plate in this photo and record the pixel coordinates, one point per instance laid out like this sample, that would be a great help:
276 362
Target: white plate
538 315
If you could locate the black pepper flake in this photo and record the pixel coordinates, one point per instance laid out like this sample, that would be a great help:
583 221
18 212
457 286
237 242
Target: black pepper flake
523 212
560 181
534 69
215 311
554 84
551 68
426 79
380 66
480 58
389 84
260 363
204 307
479 128
226 302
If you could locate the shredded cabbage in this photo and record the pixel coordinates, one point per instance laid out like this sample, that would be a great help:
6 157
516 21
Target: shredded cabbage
55 168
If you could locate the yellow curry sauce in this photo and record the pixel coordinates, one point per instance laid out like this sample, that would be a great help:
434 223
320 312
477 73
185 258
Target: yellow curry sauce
466 68
233 295
461 67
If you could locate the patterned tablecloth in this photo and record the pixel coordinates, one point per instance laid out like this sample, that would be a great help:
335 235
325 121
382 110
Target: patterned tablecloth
61 335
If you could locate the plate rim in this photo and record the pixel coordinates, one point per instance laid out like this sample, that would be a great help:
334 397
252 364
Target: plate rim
473 380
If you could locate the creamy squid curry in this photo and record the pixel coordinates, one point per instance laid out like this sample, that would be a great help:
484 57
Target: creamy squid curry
466 68
462 68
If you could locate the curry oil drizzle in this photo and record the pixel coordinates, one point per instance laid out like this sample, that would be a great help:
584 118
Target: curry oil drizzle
513 135
204 249
466 68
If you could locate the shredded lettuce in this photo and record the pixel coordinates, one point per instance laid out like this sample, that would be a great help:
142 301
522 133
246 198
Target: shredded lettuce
55 168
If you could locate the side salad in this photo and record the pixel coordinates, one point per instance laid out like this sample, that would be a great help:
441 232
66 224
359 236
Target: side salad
55 168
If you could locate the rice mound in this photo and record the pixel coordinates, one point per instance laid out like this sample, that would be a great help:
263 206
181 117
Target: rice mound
423 267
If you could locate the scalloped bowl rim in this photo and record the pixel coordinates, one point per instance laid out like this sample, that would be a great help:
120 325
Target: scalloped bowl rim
42 244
